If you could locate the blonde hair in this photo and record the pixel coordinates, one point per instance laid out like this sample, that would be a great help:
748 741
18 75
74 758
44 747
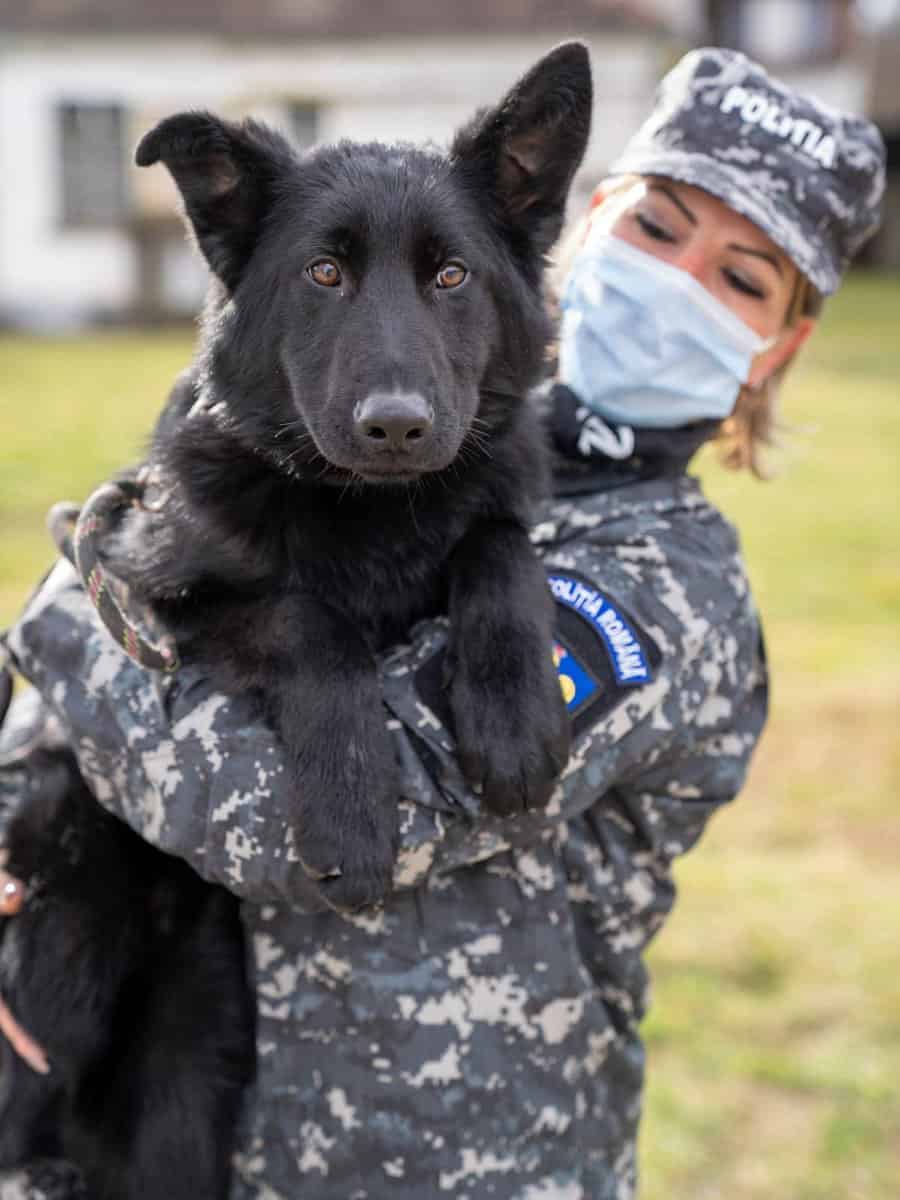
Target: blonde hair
753 425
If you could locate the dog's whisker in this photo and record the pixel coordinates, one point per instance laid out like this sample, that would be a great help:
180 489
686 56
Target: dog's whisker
354 482
412 511
296 424
476 444
301 449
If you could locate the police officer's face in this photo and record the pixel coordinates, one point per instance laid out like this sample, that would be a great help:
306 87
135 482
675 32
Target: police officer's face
724 251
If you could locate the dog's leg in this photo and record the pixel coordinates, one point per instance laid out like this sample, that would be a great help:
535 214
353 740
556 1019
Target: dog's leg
511 722
155 1117
323 696
28 1111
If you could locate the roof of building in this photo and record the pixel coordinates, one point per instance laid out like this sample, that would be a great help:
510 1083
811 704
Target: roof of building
329 18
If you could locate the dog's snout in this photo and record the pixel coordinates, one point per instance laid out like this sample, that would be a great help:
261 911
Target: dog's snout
394 420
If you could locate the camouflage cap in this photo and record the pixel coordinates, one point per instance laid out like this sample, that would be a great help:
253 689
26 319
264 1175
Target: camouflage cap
809 176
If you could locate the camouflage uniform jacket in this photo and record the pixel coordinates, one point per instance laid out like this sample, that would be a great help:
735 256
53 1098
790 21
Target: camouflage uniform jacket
478 1035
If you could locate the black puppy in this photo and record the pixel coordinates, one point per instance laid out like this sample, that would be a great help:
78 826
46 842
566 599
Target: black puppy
352 450
128 970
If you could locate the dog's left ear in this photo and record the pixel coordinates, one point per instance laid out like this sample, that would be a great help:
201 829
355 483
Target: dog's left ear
227 174
527 149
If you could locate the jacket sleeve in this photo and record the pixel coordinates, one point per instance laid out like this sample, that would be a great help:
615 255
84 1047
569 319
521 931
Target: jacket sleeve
618 854
194 773
657 761
199 776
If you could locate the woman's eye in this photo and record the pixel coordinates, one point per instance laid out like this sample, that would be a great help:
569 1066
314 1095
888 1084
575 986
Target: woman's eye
652 229
743 285
324 272
452 275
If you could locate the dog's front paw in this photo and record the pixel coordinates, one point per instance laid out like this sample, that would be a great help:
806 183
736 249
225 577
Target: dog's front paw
346 826
512 728
348 846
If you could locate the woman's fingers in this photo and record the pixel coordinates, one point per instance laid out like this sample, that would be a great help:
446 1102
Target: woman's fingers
12 897
12 894
23 1043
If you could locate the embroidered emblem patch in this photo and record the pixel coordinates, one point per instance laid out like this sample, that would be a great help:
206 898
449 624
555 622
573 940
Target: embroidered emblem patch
628 657
577 684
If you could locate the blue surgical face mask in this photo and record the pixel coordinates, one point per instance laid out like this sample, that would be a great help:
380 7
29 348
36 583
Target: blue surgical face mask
643 343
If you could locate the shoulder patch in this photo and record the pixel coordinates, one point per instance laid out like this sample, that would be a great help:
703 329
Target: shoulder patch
632 653
600 649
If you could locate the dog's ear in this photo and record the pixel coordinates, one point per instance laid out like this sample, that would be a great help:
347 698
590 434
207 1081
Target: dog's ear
528 148
226 174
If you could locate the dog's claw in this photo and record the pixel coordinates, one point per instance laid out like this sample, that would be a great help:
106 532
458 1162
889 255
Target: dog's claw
318 875
348 846
352 893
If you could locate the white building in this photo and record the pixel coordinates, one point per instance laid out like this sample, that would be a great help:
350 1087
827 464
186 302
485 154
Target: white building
85 235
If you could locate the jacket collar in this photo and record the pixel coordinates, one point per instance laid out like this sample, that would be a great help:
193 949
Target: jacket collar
593 456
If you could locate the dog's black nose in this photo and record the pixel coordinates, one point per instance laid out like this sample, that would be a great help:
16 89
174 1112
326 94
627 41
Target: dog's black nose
394 420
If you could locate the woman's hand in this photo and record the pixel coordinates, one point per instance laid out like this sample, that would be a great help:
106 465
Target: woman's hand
12 891
12 897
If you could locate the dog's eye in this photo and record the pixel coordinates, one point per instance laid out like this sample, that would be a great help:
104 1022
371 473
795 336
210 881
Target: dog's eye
452 275
324 272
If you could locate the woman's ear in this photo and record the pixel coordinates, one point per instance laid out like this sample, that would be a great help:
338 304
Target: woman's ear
789 342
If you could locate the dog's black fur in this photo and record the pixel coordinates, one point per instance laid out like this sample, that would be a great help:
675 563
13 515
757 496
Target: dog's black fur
129 970
352 452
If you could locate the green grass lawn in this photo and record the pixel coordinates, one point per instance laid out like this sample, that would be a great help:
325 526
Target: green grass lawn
775 1032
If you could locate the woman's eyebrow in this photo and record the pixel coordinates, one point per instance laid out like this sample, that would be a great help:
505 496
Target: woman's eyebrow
676 200
680 204
769 258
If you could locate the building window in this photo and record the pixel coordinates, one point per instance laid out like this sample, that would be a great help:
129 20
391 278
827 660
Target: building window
303 119
783 31
94 186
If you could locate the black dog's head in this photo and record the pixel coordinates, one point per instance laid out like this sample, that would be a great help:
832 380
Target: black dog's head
375 300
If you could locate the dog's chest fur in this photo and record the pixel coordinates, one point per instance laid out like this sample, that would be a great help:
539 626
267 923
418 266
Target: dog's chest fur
237 535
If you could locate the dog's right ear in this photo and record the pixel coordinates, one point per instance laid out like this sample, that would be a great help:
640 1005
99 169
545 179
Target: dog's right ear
226 174
525 151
